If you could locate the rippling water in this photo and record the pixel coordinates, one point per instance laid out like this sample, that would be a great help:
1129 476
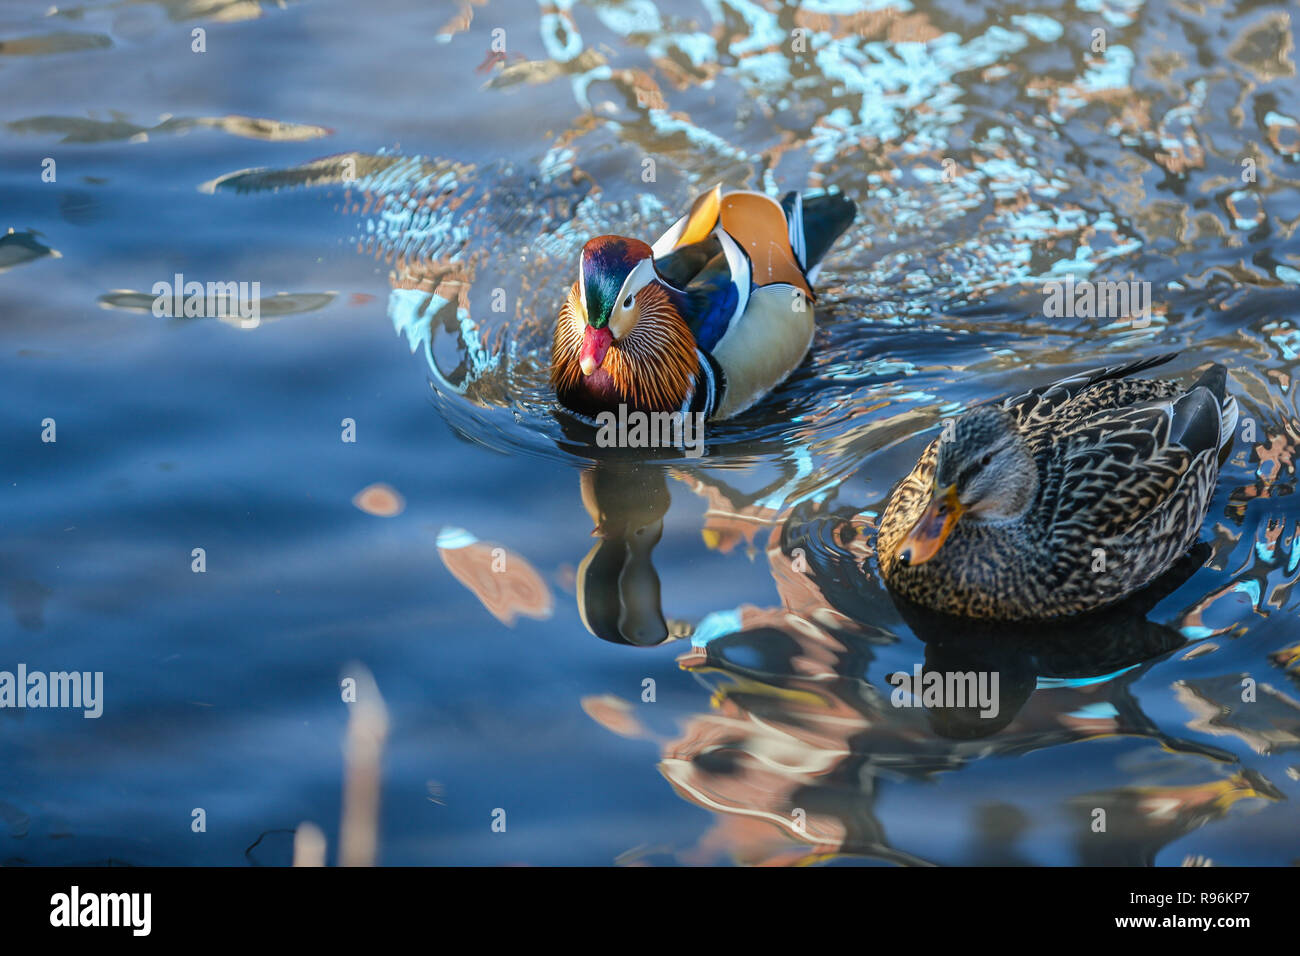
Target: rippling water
704 679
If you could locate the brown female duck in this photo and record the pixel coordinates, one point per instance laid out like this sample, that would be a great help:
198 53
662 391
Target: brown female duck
1060 500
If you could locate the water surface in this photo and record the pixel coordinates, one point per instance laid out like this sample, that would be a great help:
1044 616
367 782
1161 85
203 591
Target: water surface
410 183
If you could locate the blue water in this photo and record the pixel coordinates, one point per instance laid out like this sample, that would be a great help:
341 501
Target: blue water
465 175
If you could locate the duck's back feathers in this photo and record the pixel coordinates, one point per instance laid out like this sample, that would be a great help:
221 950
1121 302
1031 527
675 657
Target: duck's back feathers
1046 401
771 322
1115 467
1131 496
759 226
684 264
775 242
1123 450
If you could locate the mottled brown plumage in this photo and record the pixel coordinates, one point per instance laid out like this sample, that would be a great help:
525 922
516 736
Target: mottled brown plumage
1060 500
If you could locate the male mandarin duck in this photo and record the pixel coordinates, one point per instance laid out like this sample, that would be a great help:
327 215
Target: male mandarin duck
709 319
1060 500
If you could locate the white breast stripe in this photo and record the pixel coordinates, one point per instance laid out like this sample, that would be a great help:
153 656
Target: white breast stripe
706 370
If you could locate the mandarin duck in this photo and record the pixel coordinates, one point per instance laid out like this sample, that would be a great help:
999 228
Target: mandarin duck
1060 500
708 319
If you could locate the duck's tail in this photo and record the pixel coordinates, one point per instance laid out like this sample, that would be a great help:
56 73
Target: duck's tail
816 220
1205 416
1215 380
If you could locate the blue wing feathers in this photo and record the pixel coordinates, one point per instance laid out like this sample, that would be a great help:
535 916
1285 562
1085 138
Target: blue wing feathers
714 306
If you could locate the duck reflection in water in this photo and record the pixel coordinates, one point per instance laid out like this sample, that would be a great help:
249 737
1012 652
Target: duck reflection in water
801 738
618 588
619 593
617 585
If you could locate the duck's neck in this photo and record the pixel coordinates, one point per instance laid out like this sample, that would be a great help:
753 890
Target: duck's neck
654 367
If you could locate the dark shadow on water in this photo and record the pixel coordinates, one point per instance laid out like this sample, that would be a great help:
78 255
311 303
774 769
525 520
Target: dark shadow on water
1088 647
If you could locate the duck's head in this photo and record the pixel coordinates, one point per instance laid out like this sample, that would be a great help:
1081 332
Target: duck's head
983 472
621 335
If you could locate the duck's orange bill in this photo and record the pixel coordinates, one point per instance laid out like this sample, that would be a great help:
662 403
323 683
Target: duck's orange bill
931 529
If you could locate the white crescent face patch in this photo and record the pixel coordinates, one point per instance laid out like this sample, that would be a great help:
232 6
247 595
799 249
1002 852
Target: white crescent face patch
582 287
622 318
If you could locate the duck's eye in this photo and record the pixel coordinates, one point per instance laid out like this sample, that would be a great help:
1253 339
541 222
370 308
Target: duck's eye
986 459
627 303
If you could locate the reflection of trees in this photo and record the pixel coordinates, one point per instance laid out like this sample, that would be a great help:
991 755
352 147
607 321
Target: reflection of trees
1139 821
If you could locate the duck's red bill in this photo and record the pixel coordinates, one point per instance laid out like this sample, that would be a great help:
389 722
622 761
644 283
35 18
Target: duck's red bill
595 343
